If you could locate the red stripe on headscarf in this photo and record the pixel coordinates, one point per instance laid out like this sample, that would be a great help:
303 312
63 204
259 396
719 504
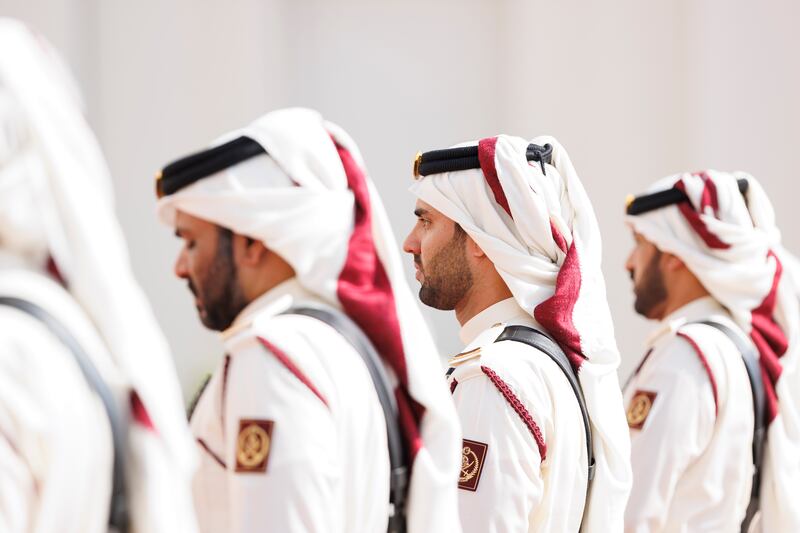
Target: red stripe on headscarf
486 148
770 340
140 414
555 313
709 198
561 242
365 293
53 270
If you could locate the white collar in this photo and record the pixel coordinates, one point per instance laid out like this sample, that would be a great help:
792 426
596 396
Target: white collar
499 313
701 308
273 302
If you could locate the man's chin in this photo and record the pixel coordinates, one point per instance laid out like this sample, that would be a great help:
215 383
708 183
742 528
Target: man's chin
205 320
646 310
432 299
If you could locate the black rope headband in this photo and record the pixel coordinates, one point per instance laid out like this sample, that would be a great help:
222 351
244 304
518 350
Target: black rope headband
466 158
187 170
636 205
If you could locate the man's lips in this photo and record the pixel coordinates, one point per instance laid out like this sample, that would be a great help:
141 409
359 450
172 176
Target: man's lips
197 303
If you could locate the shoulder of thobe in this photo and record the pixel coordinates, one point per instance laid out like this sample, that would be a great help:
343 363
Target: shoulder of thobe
511 376
677 364
266 393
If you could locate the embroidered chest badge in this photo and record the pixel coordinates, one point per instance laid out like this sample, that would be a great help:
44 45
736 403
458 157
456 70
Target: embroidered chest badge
253 445
639 408
473 454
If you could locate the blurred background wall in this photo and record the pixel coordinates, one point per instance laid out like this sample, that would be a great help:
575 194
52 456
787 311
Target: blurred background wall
634 90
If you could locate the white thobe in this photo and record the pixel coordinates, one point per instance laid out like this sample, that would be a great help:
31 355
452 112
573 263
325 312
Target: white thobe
690 444
321 462
55 439
56 450
512 479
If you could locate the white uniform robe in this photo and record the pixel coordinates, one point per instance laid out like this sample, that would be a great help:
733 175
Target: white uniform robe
325 464
55 439
524 464
691 437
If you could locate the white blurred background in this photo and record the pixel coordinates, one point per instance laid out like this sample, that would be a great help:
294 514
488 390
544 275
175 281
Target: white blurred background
634 90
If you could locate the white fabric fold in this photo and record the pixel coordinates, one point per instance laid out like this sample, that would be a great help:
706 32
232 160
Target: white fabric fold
56 199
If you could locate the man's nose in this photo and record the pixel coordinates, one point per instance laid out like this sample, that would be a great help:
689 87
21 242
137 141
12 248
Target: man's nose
181 269
629 263
411 244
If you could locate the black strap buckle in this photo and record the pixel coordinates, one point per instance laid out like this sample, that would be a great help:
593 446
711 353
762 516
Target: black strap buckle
466 158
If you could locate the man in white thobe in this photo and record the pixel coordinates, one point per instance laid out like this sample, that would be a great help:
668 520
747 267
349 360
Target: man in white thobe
281 215
63 255
707 252
506 237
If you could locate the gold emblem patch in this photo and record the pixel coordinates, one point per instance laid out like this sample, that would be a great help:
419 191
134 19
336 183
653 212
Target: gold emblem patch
639 408
472 456
253 445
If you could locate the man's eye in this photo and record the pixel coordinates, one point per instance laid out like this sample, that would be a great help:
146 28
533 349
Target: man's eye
190 245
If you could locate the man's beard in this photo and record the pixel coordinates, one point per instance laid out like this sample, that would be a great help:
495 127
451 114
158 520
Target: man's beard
447 277
651 290
220 295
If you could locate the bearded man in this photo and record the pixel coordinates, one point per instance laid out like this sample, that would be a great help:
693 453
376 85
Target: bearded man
326 413
506 237
712 407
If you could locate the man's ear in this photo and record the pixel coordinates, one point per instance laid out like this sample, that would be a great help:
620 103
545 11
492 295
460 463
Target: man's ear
671 263
473 249
248 251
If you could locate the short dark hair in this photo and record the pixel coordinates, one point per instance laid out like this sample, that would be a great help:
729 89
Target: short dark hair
459 233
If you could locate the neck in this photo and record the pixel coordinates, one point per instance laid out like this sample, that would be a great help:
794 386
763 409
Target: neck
679 300
265 277
479 298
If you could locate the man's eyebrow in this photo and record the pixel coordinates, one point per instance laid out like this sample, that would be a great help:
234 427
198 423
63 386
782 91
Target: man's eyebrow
420 212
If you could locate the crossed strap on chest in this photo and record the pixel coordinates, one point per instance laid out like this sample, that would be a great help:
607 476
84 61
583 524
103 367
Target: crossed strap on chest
750 358
399 468
118 519
536 339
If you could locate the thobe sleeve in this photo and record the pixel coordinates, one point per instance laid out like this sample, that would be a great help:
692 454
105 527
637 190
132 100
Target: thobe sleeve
289 482
677 427
16 490
17 483
503 493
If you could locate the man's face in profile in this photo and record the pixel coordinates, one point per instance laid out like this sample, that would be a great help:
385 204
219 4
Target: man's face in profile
206 262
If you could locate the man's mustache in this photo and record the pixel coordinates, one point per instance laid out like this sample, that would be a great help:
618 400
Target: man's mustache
192 287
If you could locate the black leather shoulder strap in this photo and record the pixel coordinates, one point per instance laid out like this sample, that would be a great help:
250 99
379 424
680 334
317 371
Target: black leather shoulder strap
750 358
543 343
398 482
118 515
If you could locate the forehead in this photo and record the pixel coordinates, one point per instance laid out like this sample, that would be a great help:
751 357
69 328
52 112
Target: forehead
642 240
423 208
186 222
